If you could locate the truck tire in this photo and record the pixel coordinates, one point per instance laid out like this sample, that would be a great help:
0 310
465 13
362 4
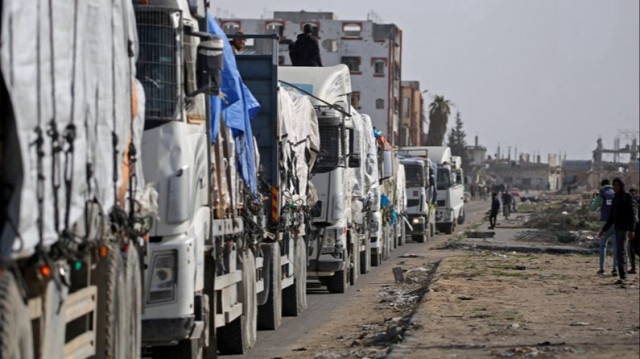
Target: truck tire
134 316
111 333
239 336
354 270
461 217
16 340
294 297
365 257
449 228
270 313
339 282
376 257
432 230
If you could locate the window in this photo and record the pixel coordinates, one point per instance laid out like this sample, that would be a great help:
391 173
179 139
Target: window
230 27
380 104
330 45
353 30
275 27
352 62
378 66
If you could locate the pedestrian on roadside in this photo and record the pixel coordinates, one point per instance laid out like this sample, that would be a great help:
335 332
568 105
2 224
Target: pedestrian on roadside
305 51
495 208
603 200
624 215
634 244
506 204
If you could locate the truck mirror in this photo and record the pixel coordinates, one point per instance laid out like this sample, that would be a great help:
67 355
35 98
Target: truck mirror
458 178
432 180
209 63
354 161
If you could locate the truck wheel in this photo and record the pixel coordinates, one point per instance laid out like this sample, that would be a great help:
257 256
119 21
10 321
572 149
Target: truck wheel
354 270
134 312
432 230
449 228
365 257
270 313
16 340
376 257
461 217
339 282
111 333
294 297
239 336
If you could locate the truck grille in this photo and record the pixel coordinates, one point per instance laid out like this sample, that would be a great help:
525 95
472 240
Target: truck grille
413 202
441 203
330 144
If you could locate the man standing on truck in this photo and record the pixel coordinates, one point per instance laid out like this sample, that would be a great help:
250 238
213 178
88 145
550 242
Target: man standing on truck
624 215
305 51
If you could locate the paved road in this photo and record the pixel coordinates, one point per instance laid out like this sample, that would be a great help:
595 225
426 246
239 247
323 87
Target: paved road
274 344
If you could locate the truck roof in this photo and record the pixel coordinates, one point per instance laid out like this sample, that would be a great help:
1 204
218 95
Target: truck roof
331 83
439 154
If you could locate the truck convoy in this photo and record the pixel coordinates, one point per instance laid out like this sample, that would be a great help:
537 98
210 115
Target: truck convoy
163 197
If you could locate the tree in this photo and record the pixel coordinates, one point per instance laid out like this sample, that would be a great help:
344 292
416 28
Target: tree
457 141
439 111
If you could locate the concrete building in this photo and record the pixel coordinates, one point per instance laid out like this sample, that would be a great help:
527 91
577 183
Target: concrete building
411 113
372 51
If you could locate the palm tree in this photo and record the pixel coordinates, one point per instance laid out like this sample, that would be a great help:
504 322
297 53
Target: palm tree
439 111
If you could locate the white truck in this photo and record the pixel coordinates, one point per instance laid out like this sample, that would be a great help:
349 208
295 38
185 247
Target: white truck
420 212
334 241
74 210
450 188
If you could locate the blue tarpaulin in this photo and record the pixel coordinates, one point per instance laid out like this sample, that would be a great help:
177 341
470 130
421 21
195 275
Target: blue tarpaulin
238 106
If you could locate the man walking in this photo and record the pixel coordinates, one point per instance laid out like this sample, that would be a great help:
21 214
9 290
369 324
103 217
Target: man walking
624 215
305 51
506 204
602 200
495 208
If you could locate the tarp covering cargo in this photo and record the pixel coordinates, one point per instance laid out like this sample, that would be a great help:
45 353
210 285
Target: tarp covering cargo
238 107
371 157
69 77
300 139
360 187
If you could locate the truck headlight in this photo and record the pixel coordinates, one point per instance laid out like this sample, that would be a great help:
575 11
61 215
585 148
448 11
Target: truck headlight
416 220
163 278
329 243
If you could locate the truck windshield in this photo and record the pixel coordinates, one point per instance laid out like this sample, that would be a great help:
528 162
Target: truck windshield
414 175
444 178
157 63
330 149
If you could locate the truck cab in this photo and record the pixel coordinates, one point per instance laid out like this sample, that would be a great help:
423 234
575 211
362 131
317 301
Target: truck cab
417 174
450 189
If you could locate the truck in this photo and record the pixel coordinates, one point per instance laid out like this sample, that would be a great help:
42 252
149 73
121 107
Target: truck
227 256
75 211
450 188
420 213
334 250
386 203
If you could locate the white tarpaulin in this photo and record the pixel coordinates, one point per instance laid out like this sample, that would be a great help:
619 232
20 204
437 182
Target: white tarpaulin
370 158
65 67
299 135
359 143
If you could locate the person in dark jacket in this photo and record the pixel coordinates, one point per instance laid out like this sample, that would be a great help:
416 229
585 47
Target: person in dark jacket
305 51
495 208
602 201
624 215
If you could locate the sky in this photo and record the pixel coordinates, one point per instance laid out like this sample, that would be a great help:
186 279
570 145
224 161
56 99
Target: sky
545 76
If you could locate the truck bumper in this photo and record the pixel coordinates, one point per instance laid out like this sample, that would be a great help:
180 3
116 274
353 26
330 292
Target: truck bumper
166 331
326 263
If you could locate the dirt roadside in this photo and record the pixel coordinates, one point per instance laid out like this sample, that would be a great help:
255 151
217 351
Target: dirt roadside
477 298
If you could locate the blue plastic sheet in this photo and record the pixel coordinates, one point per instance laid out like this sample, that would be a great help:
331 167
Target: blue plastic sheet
238 106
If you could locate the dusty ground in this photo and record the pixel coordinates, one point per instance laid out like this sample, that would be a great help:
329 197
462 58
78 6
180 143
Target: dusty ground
478 298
